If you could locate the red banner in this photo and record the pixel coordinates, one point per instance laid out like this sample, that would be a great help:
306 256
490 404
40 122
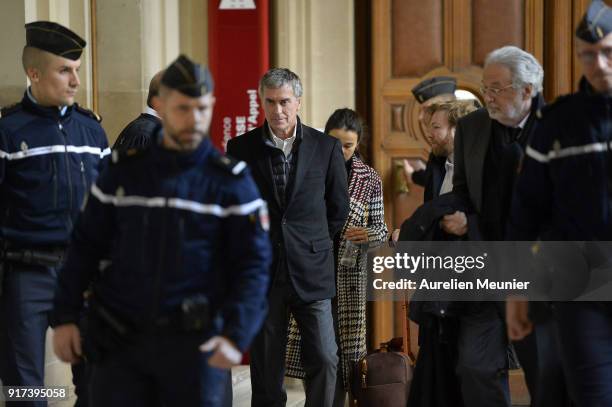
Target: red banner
238 55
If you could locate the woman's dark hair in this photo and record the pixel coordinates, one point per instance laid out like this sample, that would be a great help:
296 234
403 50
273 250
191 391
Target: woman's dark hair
346 119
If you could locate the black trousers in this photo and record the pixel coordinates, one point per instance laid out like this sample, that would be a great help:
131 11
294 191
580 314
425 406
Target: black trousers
482 364
541 361
25 308
320 359
158 369
584 331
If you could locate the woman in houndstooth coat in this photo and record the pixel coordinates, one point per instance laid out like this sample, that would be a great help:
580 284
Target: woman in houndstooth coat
364 226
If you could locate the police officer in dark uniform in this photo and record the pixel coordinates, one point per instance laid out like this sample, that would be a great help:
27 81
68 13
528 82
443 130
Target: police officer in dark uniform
186 291
430 175
51 150
565 193
428 92
434 90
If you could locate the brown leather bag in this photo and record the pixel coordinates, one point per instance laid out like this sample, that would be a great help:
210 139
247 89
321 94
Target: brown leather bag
383 378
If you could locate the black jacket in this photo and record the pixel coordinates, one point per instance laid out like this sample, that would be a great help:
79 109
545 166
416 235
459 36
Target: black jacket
138 133
472 140
48 162
316 207
431 177
423 225
435 367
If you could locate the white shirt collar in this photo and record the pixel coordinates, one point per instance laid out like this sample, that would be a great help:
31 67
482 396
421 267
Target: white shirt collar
450 160
151 111
522 123
32 98
285 145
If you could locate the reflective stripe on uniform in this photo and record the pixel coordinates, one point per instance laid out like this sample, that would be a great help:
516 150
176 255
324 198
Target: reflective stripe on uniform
31 152
567 151
238 168
177 203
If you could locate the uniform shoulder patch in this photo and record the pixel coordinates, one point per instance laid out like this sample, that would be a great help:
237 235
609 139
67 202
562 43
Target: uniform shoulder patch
89 113
560 101
5 111
229 164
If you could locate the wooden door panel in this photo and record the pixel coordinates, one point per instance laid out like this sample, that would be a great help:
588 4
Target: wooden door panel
494 24
411 21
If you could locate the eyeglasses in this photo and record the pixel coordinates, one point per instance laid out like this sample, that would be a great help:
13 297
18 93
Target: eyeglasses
493 91
589 57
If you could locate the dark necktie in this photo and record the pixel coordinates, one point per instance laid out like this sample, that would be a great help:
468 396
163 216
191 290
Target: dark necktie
512 134
516 133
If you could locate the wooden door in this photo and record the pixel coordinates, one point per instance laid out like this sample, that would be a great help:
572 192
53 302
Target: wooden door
413 40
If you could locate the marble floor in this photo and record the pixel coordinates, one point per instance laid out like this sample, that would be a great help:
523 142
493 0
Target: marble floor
58 374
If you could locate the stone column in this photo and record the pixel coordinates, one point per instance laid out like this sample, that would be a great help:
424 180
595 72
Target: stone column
315 39
136 38
194 29
12 40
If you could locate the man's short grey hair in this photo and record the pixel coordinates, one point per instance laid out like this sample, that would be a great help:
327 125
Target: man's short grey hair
278 77
524 68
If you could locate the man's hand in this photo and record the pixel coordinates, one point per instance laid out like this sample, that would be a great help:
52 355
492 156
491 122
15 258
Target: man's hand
409 169
225 353
455 224
67 343
517 318
357 235
419 165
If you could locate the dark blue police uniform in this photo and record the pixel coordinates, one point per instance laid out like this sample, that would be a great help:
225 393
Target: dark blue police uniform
564 192
48 159
565 188
183 230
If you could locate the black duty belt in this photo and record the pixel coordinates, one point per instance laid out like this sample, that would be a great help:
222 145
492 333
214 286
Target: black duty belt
46 258
179 323
192 316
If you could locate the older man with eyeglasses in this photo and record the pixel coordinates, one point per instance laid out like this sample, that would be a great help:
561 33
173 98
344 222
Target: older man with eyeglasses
489 144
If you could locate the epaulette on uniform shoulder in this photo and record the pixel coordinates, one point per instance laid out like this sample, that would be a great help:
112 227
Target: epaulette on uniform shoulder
122 156
560 101
5 111
229 164
88 113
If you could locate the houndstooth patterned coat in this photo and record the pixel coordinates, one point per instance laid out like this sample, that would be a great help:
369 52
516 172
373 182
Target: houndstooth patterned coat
366 210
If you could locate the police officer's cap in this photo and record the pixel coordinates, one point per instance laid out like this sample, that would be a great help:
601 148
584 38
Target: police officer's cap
54 38
188 77
432 87
596 23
